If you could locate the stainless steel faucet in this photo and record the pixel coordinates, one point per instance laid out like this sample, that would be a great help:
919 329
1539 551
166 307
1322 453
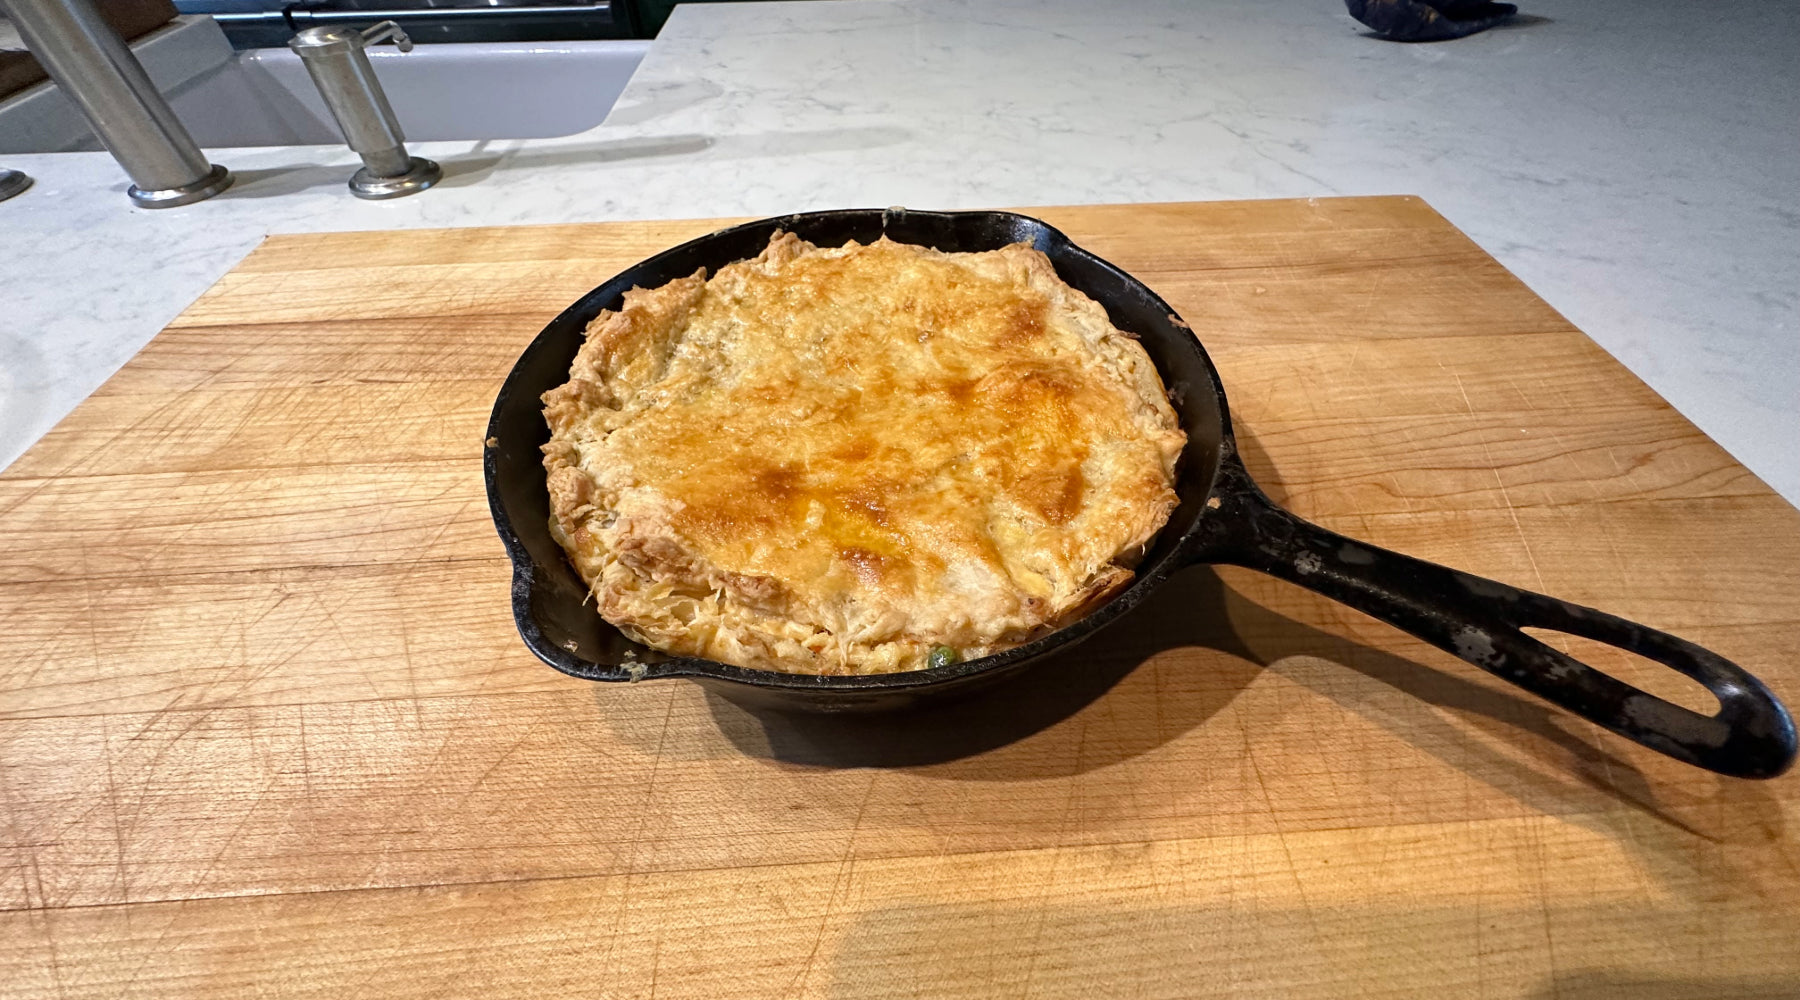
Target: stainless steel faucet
94 67
340 68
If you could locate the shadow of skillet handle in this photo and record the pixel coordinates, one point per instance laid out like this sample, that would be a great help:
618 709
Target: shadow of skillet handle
1480 620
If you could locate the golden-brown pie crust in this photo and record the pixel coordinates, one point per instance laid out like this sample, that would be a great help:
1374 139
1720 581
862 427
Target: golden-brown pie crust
833 460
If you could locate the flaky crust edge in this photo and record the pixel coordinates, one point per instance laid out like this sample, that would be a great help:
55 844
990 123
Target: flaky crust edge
708 612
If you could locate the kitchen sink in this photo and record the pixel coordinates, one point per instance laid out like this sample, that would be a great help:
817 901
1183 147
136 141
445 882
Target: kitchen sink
476 90
455 91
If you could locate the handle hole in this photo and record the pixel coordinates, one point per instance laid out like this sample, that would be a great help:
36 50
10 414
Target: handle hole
1640 672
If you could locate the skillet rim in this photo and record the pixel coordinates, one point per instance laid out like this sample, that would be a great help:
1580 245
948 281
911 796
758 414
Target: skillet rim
1047 238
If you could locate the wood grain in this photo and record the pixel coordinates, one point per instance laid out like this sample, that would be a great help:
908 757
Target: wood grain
266 729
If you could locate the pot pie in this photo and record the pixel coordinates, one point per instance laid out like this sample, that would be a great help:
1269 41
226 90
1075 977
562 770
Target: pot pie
857 459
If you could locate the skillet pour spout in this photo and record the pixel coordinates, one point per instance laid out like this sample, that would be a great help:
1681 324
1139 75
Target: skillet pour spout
1222 517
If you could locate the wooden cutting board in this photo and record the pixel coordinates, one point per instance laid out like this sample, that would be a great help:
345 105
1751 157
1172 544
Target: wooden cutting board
266 728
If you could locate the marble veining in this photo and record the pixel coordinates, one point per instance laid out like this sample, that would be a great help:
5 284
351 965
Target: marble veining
1637 168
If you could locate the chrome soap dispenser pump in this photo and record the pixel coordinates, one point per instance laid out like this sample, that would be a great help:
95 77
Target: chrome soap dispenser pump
339 65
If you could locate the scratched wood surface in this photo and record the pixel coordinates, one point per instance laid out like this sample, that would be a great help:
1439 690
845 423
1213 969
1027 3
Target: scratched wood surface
266 729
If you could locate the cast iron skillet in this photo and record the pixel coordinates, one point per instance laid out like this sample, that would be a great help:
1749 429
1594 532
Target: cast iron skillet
1222 518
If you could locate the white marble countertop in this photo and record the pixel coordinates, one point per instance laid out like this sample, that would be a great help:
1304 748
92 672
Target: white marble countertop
1635 164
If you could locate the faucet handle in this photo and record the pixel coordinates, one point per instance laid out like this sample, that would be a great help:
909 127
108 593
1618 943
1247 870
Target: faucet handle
380 32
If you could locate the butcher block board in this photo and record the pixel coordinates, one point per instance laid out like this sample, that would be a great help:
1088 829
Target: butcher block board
266 728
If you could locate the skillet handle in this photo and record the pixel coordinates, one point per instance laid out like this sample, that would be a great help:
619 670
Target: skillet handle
1479 620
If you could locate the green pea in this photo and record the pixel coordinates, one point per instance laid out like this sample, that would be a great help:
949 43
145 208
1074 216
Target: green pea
942 656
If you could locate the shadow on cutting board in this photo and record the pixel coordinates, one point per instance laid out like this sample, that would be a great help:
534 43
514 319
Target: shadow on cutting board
1046 694
1536 754
1182 613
